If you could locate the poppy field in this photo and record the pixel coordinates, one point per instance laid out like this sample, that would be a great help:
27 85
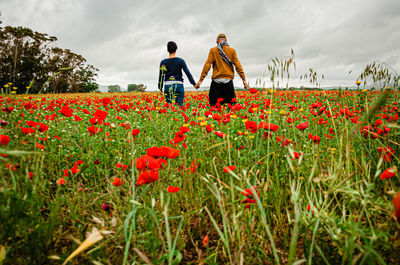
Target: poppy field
305 177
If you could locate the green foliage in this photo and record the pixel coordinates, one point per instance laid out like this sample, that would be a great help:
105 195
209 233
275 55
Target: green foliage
131 87
136 88
27 55
114 88
27 225
91 87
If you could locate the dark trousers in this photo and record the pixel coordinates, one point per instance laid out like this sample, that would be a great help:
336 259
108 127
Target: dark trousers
220 90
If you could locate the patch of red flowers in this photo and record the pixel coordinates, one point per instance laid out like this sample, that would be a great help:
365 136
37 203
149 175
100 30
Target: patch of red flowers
268 126
163 151
389 173
4 139
250 198
172 189
117 182
147 177
302 126
66 111
386 153
229 168
396 203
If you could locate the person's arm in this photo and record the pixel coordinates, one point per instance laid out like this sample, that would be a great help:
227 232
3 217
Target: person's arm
206 68
187 72
161 77
239 68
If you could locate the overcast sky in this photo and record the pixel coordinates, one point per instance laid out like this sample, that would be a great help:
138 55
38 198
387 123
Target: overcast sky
126 39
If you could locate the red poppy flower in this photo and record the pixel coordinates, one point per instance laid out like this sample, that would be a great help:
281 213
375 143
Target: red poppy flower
184 129
389 173
193 167
296 155
209 128
148 162
27 130
77 118
105 101
93 120
172 189
147 177
65 172
60 181
302 126
66 111
135 132
286 142
216 117
179 137
220 134
40 146
268 126
107 208
253 91
205 240
31 123
396 203
117 182
42 127
250 198
251 125
170 152
248 192
100 115
315 138
155 152
93 130
8 110
229 168
386 153
75 169
4 139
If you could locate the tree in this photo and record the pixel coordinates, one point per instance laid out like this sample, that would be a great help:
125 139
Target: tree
132 87
136 88
26 55
79 78
141 88
114 88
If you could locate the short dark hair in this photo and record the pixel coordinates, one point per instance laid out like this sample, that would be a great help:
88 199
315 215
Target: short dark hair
171 47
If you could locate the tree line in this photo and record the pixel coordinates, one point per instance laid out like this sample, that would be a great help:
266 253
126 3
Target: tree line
31 62
131 88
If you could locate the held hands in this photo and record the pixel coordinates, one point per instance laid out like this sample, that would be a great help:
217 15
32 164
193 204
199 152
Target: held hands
197 85
245 85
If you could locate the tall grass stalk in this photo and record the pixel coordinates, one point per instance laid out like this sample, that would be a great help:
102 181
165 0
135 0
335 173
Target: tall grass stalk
264 222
